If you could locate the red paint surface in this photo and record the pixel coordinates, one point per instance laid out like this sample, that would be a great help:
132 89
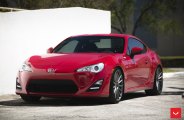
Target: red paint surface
138 71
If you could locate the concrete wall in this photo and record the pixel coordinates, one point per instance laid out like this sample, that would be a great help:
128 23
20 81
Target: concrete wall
26 33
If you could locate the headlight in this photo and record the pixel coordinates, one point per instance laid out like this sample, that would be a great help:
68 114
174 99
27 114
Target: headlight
92 68
25 67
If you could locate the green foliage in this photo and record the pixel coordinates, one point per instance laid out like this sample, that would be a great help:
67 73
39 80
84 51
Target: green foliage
96 4
121 11
172 61
159 17
168 70
40 4
171 57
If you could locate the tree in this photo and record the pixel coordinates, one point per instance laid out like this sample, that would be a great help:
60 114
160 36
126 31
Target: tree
155 14
126 15
121 12
40 4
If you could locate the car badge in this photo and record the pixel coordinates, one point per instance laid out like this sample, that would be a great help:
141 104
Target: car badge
51 70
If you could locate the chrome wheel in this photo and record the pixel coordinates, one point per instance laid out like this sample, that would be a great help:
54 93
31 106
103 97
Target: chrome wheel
158 83
159 80
117 86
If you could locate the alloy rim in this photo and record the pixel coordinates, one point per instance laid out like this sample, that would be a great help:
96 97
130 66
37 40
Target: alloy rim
118 85
159 79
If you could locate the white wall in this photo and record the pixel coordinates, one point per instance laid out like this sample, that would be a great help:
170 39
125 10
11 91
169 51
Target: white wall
27 33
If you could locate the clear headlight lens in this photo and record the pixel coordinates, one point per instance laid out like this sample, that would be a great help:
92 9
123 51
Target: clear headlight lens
92 68
25 67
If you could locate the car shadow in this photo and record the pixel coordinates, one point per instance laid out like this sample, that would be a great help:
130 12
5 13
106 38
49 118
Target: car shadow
54 102
179 88
45 102
173 93
133 95
69 101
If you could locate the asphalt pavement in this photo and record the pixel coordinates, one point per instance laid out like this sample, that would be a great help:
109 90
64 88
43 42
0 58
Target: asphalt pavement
134 106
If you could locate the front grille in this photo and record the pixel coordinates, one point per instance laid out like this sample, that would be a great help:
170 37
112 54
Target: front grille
52 86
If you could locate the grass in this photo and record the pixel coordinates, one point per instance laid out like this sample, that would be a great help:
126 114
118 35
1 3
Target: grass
173 61
172 57
167 70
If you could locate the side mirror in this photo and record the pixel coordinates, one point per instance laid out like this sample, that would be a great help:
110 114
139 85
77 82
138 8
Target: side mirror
50 50
136 50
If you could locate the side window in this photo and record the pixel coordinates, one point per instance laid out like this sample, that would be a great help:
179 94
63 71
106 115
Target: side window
128 50
132 42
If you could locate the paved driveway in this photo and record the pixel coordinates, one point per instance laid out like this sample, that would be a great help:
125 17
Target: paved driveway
134 106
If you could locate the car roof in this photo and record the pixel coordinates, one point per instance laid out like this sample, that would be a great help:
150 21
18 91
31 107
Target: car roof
111 34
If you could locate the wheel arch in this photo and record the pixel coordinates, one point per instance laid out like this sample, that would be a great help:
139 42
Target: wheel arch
159 66
113 99
118 67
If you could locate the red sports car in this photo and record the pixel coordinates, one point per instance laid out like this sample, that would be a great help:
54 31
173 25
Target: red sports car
98 65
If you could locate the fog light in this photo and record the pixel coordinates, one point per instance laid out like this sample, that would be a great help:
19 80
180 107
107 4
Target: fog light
96 86
18 86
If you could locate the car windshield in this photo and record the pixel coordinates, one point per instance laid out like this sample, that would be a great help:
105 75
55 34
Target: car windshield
93 44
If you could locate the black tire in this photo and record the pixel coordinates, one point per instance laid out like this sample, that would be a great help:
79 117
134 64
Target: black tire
27 98
158 83
116 86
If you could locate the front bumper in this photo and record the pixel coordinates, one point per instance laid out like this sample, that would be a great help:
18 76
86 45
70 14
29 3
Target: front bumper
81 83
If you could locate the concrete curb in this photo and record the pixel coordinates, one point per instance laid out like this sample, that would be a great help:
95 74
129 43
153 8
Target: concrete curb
172 74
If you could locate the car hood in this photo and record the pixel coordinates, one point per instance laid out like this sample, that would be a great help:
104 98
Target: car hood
67 62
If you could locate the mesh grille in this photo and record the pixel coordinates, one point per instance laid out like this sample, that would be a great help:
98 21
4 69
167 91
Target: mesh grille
53 86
